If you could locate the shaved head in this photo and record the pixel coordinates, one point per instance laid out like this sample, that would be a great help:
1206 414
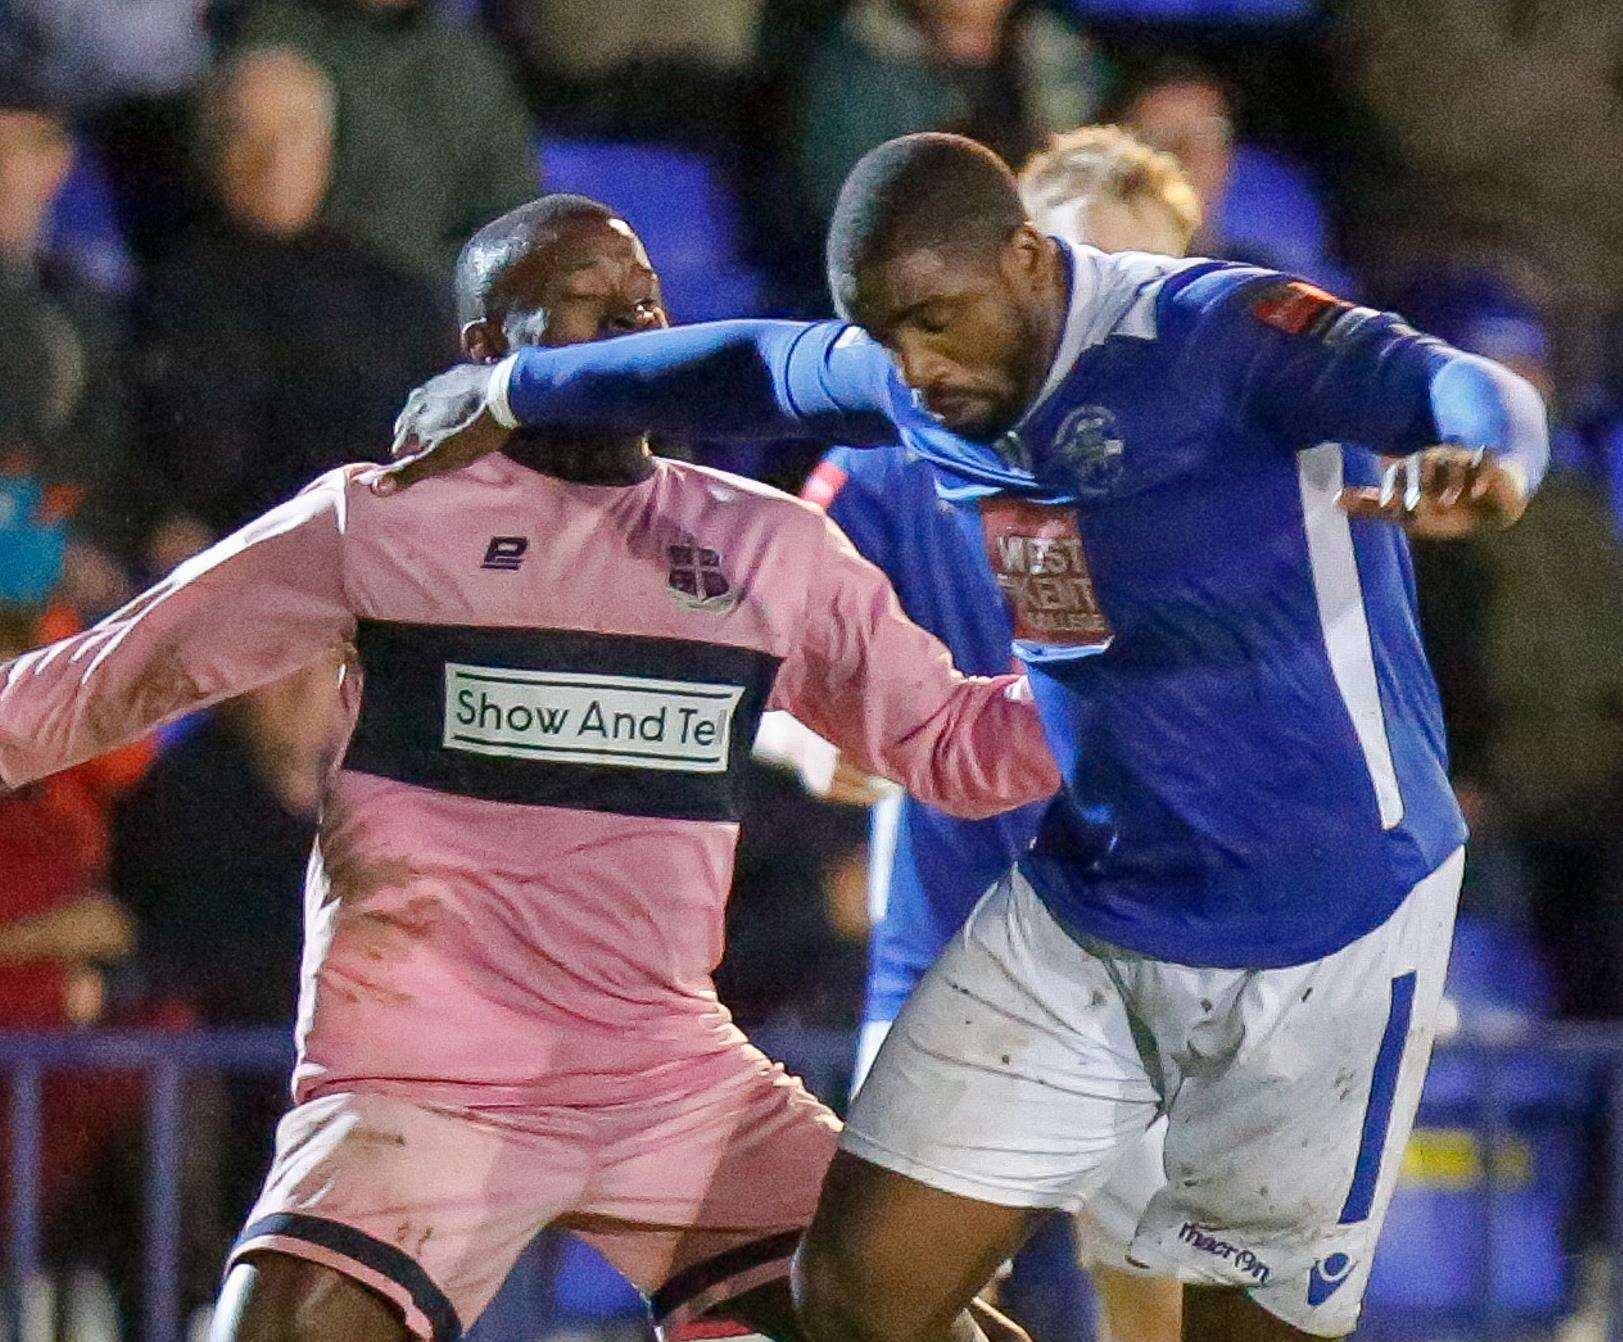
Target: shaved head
491 253
931 192
930 251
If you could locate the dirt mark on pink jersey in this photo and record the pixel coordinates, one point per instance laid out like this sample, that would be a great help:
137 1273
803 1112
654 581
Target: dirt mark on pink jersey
164 688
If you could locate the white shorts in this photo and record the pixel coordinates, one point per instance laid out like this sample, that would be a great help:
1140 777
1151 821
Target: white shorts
1105 1229
1025 1064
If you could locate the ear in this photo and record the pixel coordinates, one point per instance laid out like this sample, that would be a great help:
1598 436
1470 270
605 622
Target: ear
1026 260
1028 250
483 341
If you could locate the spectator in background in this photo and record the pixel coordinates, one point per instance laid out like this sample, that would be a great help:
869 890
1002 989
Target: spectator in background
1005 72
797 922
59 933
1602 447
1541 619
432 136
63 411
590 39
125 70
679 69
57 923
1094 185
209 851
1508 122
1258 206
271 348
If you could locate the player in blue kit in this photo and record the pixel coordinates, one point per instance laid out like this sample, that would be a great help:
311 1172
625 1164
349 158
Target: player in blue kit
971 565
1237 914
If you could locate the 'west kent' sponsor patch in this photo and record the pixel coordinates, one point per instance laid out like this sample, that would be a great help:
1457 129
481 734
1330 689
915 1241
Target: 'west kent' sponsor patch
1037 557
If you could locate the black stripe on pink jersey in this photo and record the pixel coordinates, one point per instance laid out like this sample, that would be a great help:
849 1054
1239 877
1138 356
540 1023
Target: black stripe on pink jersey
615 723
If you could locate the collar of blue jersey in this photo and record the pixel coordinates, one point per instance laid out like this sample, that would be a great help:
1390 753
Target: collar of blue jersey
981 478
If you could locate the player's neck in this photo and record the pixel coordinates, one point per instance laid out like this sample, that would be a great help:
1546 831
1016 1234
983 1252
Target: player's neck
584 459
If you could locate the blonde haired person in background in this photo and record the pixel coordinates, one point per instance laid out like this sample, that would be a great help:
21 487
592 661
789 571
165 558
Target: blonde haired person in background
1101 187
1097 187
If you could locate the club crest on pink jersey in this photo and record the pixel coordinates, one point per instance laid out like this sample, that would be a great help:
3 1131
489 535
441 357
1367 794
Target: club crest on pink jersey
697 580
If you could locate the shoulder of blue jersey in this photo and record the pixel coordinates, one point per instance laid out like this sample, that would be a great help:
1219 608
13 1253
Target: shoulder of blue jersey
1278 302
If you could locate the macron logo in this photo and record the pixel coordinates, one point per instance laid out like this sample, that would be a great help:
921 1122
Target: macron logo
505 553
1243 1259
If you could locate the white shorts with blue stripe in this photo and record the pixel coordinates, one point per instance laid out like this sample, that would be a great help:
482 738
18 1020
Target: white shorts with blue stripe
1025 1063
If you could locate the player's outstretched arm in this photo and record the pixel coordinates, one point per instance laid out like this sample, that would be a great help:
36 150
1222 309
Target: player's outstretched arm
258 606
1449 492
737 379
886 693
1467 440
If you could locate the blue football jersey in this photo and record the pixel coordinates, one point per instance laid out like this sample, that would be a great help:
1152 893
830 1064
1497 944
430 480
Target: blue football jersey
1228 667
1255 766
944 558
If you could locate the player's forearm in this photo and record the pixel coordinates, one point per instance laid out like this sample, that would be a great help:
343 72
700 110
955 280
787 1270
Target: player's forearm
987 752
713 380
1478 403
92 928
734 379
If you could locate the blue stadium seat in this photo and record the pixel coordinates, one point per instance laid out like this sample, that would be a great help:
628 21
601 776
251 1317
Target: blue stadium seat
681 204
1199 11
1273 209
83 226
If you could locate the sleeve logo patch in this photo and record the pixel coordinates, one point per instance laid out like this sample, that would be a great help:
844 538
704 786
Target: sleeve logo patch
1298 309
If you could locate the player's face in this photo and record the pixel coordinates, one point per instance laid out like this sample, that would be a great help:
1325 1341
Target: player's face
591 280
962 330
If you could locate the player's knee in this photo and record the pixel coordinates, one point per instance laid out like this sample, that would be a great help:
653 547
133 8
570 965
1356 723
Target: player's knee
829 1296
277 1298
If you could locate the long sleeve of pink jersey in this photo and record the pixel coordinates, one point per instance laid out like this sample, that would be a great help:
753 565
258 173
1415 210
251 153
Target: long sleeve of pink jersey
886 692
259 605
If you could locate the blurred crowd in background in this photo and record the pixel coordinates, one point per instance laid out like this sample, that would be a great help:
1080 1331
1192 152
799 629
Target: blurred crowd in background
226 233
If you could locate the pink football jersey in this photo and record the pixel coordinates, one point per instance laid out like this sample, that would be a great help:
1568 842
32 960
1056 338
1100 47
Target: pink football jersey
518 890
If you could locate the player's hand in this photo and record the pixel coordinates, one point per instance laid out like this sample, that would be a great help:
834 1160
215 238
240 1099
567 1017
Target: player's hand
1442 493
445 426
852 785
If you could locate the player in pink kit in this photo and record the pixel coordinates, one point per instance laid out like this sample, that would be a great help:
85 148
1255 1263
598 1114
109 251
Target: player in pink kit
515 905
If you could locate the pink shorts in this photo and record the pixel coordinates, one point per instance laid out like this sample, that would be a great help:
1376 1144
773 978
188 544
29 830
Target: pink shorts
695 1198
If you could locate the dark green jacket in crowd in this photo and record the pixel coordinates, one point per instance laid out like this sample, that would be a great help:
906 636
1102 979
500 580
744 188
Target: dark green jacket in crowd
875 76
433 139
1555 660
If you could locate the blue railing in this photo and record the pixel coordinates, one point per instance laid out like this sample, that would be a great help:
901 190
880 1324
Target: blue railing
167 1059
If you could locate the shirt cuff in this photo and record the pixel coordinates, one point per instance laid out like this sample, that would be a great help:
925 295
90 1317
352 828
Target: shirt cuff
501 378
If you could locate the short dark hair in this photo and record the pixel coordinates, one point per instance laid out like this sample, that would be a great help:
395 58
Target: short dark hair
491 252
922 192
